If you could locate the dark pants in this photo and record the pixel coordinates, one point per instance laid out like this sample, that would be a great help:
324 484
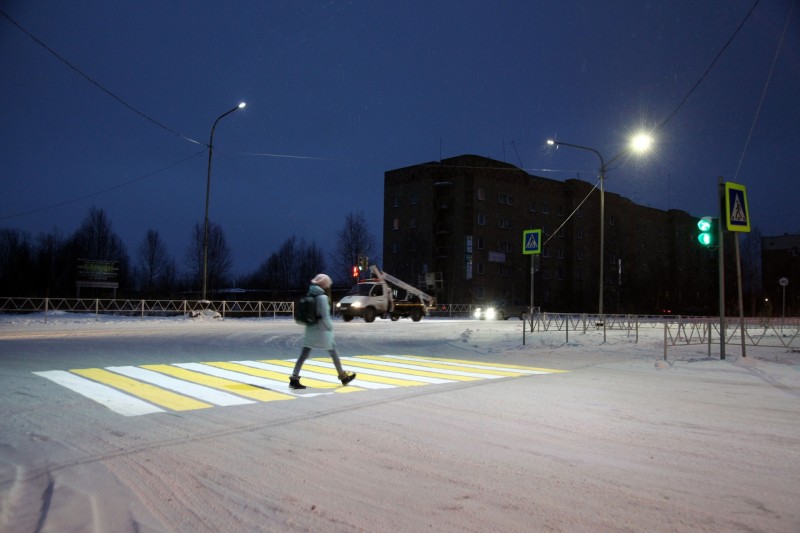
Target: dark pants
304 355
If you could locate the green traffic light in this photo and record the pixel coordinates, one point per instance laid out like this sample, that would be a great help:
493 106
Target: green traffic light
707 227
705 239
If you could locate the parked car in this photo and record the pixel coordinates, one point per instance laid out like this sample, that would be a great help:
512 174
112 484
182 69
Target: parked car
502 310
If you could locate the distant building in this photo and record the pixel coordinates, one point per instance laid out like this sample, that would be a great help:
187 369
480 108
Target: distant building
780 258
456 226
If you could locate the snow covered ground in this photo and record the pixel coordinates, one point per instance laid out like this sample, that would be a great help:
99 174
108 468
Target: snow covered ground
583 435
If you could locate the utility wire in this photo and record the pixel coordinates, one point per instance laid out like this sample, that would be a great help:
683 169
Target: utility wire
95 83
708 70
108 189
764 92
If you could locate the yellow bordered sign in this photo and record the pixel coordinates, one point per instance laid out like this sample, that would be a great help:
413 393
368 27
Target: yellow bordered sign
737 215
532 241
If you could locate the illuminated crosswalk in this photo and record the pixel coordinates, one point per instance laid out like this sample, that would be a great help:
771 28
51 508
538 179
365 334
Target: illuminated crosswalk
146 389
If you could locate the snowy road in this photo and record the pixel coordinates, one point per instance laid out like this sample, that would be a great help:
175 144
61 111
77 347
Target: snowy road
451 426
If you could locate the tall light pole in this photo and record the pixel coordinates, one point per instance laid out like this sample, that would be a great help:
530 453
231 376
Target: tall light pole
639 143
208 193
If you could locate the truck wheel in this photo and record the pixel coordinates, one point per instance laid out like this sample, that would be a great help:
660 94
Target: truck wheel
369 314
395 318
416 315
347 318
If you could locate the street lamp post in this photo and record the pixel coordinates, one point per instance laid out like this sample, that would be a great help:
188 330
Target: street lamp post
639 143
208 194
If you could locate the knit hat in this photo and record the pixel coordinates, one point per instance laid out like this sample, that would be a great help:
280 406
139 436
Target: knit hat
323 280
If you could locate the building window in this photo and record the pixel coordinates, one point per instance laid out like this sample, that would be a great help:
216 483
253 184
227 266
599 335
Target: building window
481 194
561 273
580 233
479 267
561 253
505 223
561 211
413 198
395 201
396 224
612 221
394 247
481 219
579 254
545 209
413 223
480 243
532 206
506 199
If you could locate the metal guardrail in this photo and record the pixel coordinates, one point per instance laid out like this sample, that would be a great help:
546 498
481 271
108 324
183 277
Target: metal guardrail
678 330
144 308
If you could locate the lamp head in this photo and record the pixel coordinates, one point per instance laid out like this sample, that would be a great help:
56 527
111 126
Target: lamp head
641 142
242 105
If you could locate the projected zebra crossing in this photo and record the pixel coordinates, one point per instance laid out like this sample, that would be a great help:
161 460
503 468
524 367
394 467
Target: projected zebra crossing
147 389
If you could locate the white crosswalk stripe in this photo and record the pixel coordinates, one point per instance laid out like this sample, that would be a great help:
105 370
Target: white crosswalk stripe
148 389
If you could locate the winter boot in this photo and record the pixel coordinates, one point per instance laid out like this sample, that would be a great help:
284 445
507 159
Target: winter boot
347 377
294 383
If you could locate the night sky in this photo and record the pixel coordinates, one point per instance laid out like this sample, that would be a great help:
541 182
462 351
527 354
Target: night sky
339 92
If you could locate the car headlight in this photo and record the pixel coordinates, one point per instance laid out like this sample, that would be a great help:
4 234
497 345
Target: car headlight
338 304
477 312
491 313
356 304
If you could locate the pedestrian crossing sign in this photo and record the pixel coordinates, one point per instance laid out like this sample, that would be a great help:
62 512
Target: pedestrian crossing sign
737 215
532 241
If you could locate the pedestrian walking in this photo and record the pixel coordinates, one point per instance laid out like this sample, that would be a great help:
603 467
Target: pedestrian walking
320 334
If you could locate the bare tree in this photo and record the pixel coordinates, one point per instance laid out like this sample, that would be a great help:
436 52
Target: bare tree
156 269
16 261
220 260
291 267
310 263
95 239
354 239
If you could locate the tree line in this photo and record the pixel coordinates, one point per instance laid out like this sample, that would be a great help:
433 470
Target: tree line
47 265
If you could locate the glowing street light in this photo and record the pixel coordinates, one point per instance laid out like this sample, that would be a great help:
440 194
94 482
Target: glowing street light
639 143
208 193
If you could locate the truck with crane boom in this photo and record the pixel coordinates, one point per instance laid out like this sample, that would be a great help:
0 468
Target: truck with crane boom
384 295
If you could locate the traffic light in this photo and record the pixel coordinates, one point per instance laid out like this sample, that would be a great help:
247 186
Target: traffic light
355 271
360 262
709 230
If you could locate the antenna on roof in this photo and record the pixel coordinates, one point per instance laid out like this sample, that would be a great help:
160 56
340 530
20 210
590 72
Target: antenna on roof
518 157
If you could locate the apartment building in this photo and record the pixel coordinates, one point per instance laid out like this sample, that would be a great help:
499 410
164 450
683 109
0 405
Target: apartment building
456 227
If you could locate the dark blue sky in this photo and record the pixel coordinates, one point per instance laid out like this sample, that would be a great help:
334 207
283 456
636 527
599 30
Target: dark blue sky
339 92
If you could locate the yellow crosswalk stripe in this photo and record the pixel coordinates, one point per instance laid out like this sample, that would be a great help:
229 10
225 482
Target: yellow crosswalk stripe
145 391
269 374
312 364
431 363
242 389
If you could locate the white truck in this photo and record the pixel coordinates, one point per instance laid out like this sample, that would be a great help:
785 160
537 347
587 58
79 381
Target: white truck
386 296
